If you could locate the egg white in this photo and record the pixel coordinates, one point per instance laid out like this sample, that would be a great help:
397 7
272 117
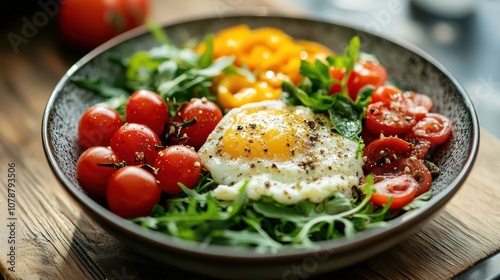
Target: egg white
314 163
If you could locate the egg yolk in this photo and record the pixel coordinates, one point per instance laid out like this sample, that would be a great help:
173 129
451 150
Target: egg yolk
264 134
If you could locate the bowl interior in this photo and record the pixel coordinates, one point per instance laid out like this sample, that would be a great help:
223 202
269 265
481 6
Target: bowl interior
408 68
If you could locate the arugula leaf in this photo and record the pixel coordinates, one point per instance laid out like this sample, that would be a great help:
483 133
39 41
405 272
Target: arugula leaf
206 58
315 100
314 91
158 33
98 86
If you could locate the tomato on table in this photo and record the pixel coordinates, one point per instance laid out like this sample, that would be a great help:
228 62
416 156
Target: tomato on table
177 164
434 128
132 192
196 120
402 189
88 23
364 73
97 125
383 151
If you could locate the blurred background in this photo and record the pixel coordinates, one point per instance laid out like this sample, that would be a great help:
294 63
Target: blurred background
462 35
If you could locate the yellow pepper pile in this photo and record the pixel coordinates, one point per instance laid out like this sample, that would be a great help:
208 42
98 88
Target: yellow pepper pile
269 53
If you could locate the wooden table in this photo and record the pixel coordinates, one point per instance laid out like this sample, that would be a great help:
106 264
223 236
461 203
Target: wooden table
54 239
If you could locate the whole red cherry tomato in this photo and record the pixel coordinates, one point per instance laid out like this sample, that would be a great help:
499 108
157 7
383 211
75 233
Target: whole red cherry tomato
97 125
201 116
177 164
88 23
132 192
94 168
364 73
148 108
135 144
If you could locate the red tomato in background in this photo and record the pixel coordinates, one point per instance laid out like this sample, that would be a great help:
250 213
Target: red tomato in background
88 23
364 73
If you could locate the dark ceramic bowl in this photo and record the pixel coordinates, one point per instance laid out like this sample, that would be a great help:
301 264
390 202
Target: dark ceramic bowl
408 68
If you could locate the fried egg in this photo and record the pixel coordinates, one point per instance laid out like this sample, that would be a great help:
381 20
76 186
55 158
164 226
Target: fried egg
285 152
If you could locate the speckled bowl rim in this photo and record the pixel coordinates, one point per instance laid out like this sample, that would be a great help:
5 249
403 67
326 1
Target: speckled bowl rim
338 247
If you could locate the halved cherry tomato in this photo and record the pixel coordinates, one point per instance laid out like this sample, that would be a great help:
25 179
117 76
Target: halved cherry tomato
402 189
132 192
411 166
389 119
384 151
419 171
364 73
418 104
387 94
434 127
419 147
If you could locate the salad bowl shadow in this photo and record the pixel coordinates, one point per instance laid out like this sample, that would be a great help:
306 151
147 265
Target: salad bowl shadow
408 68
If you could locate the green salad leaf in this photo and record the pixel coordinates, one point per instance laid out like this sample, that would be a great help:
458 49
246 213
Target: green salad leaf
314 91
264 224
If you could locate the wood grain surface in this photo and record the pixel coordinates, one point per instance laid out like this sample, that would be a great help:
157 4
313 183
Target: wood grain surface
56 240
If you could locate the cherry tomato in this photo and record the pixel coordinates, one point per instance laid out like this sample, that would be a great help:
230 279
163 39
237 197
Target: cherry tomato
205 114
132 192
417 169
88 23
135 144
177 164
419 99
387 94
419 147
418 104
434 128
148 108
411 166
389 119
97 125
94 168
384 151
364 73
401 188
